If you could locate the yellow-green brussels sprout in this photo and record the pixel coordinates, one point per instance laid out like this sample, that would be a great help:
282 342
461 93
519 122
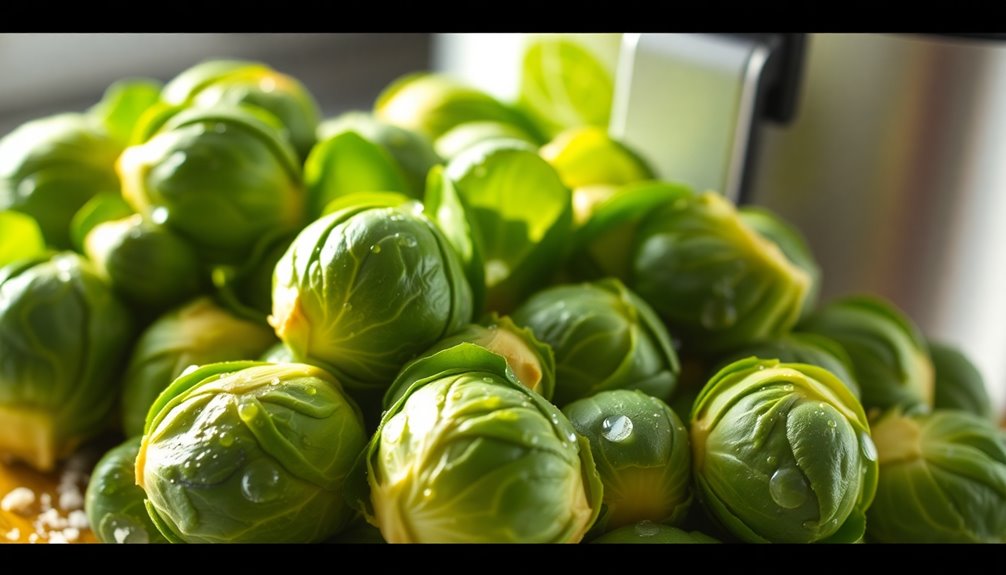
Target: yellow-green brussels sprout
650 532
888 353
246 289
50 167
125 102
64 336
221 179
958 383
367 288
151 268
470 454
198 333
588 156
782 453
114 503
246 452
432 104
464 136
235 82
20 238
641 451
715 280
604 337
942 479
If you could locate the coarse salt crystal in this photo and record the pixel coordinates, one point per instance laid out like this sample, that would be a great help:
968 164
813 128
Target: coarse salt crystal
77 519
14 534
70 498
19 500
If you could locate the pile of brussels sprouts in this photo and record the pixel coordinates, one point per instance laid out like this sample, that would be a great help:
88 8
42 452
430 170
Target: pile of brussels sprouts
446 320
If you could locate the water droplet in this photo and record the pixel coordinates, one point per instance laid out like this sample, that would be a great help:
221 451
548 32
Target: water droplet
787 387
261 482
159 215
646 528
832 423
571 437
226 439
375 249
487 379
788 488
771 460
347 306
274 381
616 429
555 419
427 493
247 411
809 525
407 241
867 446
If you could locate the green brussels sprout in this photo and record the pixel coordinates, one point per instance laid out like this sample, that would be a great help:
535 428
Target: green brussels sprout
122 106
234 82
887 350
514 212
20 238
221 179
531 361
246 289
114 503
432 104
792 243
641 451
464 136
604 337
782 453
50 167
63 338
365 289
958 383
413 154
650 532
716 281
588 156
564 84
246 452
942 479
102 207
197 333
807 348
151 268
469 454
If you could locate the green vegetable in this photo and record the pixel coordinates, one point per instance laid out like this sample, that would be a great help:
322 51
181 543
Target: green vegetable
278 353
234 82
151 268
367 288
587 156
464 136
246 289
113 501
604 337
20 238
887 350
958 383
51 166
716 281
103 207
649 532
782 453
63 339
249 452
198 333
221 179
469 454
641 450
122 106
942 479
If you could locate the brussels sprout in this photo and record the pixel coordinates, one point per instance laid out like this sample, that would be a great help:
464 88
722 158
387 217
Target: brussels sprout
250 452
278 353
220 179
531 361
464 136
246 289
102 207
807 348
469 454
716 281
63 339
942 479
411 151
641 450
122 106
792 244
197 333
604 337
887 350
151 268
50 167
432 104
564 84
113 501
235 82
517 210
782 453
20 238
367 288
649 532
587 156
958 383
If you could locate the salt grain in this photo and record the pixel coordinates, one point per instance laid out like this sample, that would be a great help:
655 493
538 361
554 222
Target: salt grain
19 500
